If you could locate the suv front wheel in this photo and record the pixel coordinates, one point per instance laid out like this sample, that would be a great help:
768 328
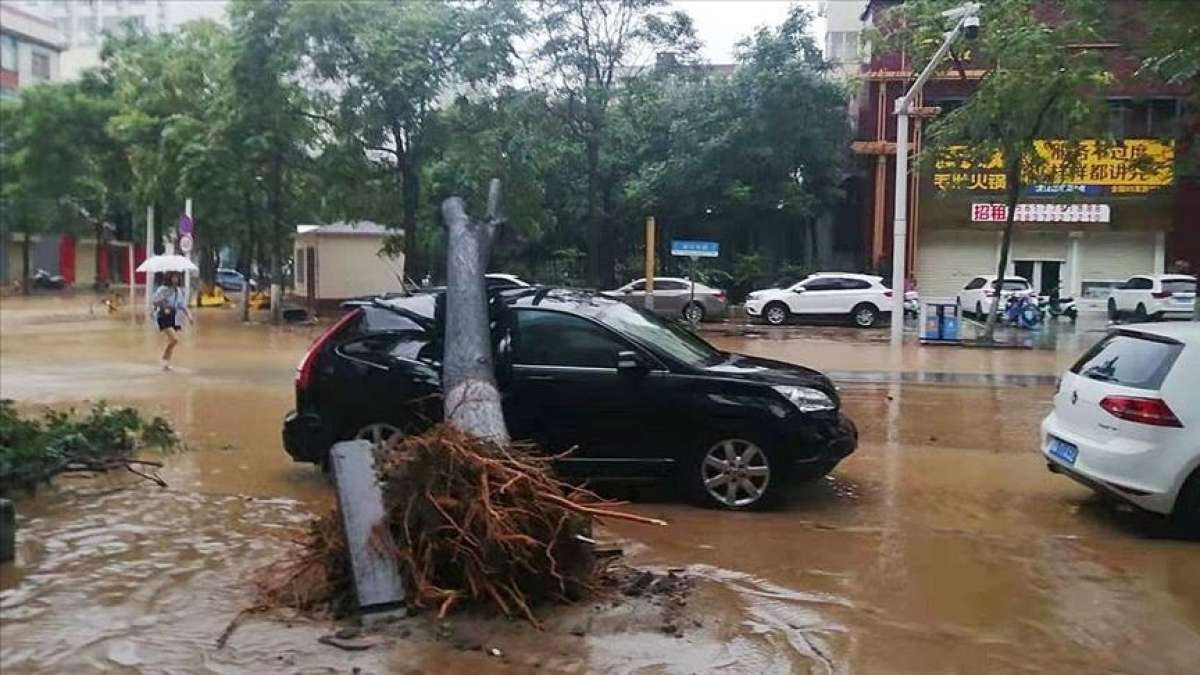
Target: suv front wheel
738 474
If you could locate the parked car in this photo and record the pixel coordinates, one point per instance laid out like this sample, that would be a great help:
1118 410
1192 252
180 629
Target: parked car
979 293
674 298
1154 296
638 396
862 298
497 280
1126 416
231 280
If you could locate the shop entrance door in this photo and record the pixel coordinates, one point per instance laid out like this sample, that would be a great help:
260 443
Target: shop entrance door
1044 275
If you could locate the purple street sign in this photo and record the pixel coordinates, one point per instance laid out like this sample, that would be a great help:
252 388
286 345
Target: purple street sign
185 224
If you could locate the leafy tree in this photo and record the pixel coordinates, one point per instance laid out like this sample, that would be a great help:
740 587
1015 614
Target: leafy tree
384 68
1038 82
587 48
58 169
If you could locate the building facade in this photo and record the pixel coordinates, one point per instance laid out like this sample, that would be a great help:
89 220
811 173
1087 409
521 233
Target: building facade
1106 221
83 23
844 24
30 50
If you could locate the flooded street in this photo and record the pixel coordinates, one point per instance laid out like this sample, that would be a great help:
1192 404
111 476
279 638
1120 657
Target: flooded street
941 546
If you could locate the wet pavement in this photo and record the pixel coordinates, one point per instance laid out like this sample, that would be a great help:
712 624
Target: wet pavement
941 546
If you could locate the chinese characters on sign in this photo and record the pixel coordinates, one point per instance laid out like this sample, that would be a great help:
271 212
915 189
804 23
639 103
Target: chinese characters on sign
1042 213
1134 166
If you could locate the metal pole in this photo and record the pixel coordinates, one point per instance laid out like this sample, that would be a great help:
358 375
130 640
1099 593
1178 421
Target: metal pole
649 299
692 286
900 225
149 253
187 276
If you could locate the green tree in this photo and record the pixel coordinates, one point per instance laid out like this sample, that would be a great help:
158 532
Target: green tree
1038 82
384 68
587 49
59 170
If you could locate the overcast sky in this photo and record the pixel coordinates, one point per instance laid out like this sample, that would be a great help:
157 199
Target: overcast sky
721 23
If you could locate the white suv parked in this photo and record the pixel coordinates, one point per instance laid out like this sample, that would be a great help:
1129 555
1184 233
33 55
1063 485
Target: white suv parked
979 293
861 297
1126 420
1156 296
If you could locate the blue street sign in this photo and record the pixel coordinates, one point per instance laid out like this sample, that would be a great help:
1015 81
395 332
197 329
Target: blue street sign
695 249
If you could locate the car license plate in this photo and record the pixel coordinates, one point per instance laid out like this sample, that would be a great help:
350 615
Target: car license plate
1063 450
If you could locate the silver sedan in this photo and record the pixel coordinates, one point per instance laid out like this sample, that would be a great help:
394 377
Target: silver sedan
673 297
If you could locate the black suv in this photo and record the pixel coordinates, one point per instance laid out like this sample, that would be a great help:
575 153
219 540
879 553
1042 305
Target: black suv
635 395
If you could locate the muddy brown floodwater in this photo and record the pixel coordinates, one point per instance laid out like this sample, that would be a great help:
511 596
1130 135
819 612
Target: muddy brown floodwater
941 546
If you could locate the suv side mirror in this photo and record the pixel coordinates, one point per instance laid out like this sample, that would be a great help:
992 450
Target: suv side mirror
630 362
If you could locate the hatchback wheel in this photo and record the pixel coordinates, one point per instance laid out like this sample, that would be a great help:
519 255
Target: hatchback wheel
377 432
1113 314
978 311
1139 314
864 315
776 313
693 312
735 473
1186 516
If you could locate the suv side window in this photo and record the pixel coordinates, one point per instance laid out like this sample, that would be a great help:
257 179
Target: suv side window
974 284
638 286
854 284
545 338
1144 284
823 284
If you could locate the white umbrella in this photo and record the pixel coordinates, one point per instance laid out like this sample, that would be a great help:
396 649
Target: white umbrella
167 263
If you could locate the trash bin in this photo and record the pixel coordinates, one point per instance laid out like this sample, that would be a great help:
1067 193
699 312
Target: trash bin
939 321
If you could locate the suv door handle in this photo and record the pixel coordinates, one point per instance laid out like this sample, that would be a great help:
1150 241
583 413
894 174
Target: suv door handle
540 378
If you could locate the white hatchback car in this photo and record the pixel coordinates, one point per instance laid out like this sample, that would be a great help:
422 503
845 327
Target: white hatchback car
1154 296
1126 420
979 293
861 297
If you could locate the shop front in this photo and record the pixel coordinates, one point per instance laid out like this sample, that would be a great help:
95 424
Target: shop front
1107 220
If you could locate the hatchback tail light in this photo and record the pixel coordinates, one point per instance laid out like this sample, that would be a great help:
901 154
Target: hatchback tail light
990 293
1161 295
308 361
887 294
1152 411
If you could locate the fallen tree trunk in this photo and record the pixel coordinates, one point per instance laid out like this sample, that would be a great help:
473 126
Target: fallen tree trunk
471 399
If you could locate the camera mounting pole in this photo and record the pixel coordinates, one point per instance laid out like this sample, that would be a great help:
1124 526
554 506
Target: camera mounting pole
967 21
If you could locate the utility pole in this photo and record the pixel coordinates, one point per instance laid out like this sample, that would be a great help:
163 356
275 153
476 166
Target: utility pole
967 16
650 232
149 254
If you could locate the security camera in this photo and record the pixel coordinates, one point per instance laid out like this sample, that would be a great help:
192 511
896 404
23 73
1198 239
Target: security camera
971 27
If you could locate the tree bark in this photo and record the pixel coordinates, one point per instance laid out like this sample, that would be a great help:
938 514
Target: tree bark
410 185
25 280
1014 194
594 223
471 398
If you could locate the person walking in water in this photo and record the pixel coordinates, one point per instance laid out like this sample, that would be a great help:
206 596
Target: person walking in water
170 307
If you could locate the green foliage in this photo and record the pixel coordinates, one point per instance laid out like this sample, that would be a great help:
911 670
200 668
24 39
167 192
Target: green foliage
33 450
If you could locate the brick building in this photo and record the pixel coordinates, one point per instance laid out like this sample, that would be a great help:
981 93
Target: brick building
1108 223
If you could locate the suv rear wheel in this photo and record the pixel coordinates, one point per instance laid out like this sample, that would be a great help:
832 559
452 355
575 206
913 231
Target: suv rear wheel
738 474
1113 314
864 315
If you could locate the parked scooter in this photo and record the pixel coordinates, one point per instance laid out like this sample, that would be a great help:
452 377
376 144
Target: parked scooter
43 279
1055 306
1022 311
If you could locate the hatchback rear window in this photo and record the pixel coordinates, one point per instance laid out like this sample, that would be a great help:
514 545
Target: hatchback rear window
1130 361
1179 286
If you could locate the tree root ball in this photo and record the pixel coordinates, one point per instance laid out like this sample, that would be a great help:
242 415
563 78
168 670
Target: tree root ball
468 522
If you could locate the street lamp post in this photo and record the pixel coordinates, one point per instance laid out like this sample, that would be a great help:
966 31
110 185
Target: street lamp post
967 16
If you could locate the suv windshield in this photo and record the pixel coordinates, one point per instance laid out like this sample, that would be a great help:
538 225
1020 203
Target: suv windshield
1130 361
673 339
